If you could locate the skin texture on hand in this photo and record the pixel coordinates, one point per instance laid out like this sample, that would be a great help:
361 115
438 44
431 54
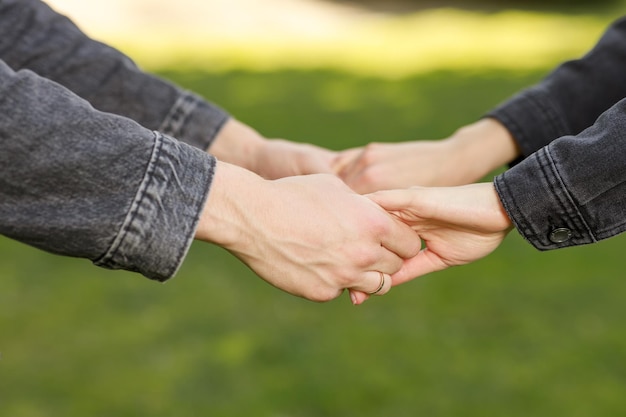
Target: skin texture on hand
241 145
457 225
309 235
465 157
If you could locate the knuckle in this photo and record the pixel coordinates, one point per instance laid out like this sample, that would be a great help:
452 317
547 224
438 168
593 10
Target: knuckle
370 149
364 257
379 225
370 175
345 280
322 295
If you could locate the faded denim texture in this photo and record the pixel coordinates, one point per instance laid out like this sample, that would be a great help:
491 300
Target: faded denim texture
89 164
571 129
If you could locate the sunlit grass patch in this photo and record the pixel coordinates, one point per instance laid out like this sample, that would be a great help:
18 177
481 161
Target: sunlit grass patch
385 46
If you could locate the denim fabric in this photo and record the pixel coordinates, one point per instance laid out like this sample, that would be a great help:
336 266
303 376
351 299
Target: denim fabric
97 184
572 97
34 37
572 181
576 183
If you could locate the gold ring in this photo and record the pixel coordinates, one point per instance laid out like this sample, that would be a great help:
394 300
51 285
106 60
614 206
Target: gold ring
382 284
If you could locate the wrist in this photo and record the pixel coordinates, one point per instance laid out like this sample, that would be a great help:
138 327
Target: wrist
499 213
482 147
224 218
238 144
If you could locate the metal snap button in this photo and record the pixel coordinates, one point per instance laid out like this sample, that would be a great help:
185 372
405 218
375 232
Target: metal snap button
560 235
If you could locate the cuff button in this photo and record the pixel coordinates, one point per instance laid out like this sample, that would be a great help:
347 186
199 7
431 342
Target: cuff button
560 235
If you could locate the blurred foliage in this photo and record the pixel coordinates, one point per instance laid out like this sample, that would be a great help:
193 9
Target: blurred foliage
562 5
521 333
389 45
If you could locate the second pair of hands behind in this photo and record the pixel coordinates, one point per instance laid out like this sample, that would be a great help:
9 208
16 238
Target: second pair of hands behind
403 209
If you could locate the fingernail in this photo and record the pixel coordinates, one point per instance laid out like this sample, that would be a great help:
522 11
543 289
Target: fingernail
353 298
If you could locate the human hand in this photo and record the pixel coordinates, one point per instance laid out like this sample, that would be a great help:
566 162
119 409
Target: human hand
241 145
383 166
458 225
279 158
465 157
309 235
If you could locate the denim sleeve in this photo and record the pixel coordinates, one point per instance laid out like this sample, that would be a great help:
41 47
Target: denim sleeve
573 191
572 97
32 36
79 182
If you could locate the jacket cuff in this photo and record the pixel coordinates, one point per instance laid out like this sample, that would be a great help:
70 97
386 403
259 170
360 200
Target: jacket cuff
532 119
540 205
160 225
194 121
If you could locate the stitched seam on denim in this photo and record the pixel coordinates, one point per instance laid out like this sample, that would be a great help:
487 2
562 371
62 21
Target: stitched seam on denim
176 118
564 197
612 230
185 248
108 257
521 224
212 134
615 230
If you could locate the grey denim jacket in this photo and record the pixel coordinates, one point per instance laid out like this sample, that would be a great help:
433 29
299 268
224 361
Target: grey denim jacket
570 186
88 164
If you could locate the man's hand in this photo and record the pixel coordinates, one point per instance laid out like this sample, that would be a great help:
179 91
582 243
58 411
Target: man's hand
309 235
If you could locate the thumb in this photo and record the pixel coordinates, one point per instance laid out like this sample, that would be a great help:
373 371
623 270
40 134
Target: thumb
425 262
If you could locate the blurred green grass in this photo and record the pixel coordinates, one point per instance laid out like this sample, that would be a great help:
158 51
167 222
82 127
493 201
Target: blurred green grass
520 333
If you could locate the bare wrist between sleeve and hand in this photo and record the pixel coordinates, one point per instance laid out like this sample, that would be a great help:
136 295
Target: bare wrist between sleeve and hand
482 147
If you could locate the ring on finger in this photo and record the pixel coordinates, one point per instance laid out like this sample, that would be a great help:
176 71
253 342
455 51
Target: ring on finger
381 286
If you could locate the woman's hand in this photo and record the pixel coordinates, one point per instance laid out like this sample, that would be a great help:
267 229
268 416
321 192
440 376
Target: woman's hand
457 225
465 157
239 144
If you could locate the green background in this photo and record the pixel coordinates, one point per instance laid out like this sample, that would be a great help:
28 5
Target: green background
521 333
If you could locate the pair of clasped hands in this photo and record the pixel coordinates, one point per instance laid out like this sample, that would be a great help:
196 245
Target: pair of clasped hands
315 222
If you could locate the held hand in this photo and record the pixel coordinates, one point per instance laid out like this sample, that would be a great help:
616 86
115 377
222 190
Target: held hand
458 225
241 145
383 166
310 235
465 157
279 158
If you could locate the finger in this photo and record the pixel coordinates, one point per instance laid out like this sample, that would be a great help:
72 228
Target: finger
425 262
345 160
401 239
387 261
374 283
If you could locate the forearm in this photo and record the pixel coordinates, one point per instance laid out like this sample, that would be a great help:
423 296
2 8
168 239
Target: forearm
572 97
573 191
82 183
33 36
480 148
